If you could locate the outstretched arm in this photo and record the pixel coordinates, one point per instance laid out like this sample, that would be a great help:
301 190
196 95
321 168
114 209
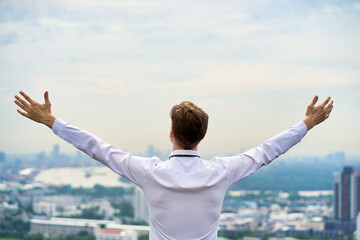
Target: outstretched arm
245 164
35 111
123 163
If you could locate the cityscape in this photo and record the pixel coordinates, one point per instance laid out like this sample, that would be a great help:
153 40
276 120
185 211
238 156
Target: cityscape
116 69
63 196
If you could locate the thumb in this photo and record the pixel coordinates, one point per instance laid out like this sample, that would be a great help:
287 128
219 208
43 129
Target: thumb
46 97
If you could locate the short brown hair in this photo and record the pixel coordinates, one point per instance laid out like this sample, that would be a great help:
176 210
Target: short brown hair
189 124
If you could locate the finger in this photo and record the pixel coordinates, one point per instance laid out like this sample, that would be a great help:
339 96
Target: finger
21 105
312 104
325 102
23 102
329 105
26 97
46 97
329 110
23 113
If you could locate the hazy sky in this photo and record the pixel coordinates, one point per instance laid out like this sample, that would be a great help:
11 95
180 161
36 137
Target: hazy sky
115 68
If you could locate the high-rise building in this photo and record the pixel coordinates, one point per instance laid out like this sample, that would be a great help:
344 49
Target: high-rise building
346 199
55 152
336 195
357 233
356 191
140 206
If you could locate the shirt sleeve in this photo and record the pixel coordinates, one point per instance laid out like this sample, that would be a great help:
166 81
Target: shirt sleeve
123 163
245 164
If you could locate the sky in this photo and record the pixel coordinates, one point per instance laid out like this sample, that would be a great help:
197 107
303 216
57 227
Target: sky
115 69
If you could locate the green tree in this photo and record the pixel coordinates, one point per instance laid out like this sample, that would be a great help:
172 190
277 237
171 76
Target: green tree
82 235
294 195
91 213
126 209
12 227
36 236
144 237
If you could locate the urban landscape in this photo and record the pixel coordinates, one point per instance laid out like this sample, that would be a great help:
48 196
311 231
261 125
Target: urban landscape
238 83
91 202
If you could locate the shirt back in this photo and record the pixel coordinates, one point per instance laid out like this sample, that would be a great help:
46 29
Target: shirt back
184 196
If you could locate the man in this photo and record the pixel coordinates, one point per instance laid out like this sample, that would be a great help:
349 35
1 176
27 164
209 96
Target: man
184 193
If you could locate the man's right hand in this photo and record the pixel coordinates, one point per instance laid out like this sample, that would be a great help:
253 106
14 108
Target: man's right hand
315 115
35 111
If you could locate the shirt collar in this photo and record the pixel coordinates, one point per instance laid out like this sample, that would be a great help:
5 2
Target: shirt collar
184 153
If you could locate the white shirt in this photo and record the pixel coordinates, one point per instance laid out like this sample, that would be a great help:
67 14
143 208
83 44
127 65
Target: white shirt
184 193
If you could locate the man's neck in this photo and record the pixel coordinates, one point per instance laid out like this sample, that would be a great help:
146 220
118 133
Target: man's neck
177 147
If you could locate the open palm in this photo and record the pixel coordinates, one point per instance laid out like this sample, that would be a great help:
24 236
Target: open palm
35 111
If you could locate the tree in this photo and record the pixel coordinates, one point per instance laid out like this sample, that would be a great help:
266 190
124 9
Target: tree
126 209
12 227
143 237
36 236
91 213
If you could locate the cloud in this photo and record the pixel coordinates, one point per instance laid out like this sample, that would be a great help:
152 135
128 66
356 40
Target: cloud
2 89
9 39
144 56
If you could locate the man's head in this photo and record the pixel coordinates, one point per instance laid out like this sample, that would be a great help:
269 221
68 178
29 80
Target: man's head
189 124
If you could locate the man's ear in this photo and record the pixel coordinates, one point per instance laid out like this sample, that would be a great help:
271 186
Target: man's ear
171 134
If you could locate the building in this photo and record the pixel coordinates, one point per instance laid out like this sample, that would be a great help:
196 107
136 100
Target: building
356 192
140 206
336 195
357 232
57 205
105 209
55 154
55 227
113 234
315 224
341 228
346 198
102 229
235 222
47 208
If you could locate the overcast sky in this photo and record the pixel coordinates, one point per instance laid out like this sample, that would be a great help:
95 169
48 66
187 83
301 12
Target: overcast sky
115 68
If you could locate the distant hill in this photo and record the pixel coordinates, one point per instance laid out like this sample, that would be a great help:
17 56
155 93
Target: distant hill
297 174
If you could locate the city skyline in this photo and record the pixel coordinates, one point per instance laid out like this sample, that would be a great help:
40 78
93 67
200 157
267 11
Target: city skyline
116 69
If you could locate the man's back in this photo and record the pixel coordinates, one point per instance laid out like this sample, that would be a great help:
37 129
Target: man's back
184 196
